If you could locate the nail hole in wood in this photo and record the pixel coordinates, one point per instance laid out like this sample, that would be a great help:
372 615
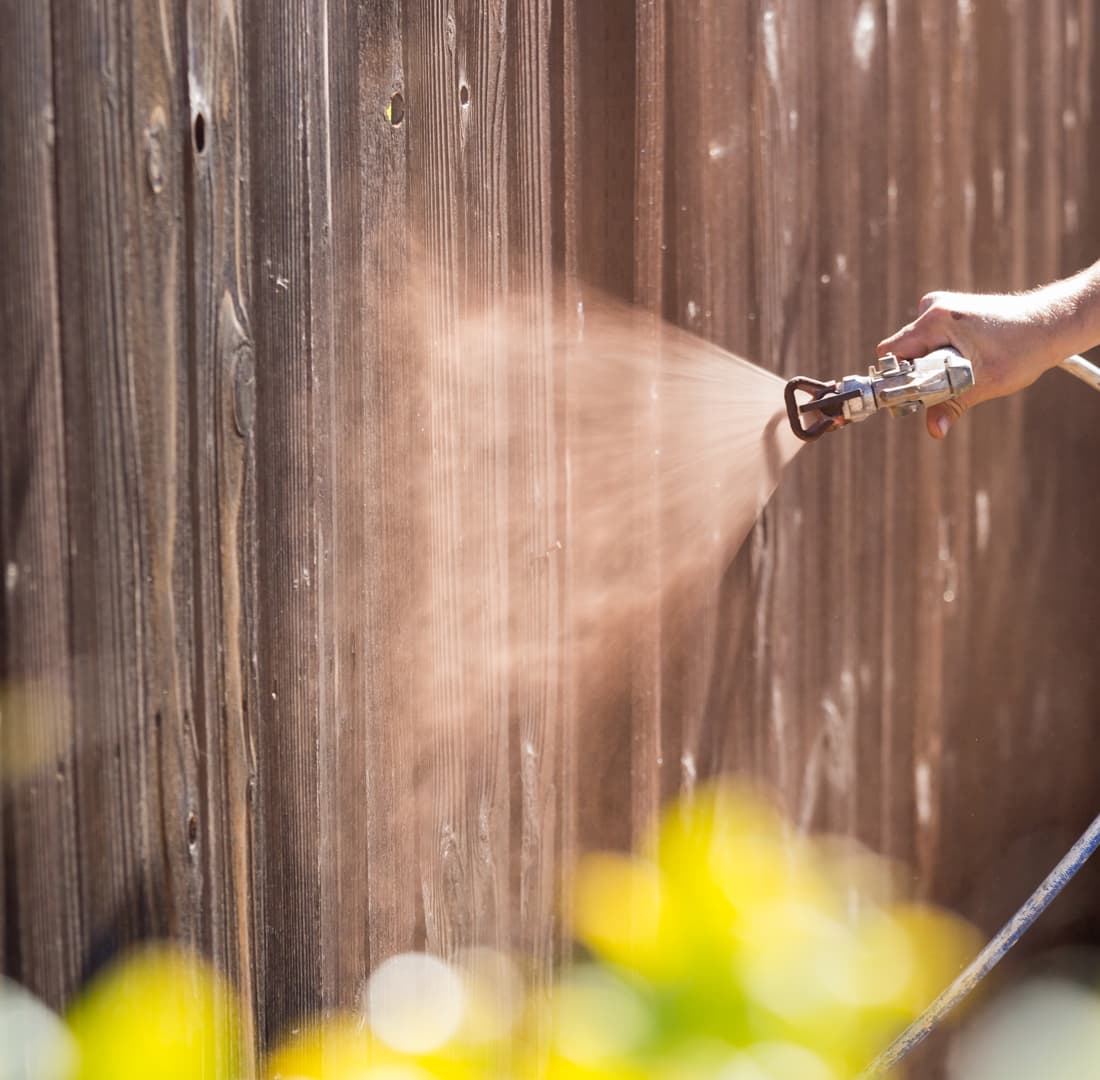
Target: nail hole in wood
395 111
464 95
200 133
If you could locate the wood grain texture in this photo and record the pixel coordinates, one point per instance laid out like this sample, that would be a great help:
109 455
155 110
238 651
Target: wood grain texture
291 305
535 577
392 398
291 663
647 737
710 293
356 562
41 936
456 873
222 400
597 243
121 298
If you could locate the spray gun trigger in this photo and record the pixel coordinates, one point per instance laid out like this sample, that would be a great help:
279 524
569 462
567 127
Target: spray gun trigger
825 399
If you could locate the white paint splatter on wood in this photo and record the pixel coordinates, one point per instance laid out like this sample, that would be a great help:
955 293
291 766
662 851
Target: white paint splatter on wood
771 45
982 518
922 781
949 571
863 35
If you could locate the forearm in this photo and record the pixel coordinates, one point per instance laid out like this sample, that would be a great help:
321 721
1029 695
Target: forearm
1072 307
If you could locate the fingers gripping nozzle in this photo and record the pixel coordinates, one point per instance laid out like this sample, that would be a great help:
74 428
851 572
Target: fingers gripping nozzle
899 386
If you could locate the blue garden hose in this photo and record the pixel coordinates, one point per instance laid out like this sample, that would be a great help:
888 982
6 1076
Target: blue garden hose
990 956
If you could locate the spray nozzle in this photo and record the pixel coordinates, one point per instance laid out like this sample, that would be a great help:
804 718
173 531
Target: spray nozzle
899 386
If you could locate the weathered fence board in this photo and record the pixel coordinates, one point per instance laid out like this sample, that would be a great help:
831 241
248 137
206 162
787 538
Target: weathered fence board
291 662
221 407
292 314
41 910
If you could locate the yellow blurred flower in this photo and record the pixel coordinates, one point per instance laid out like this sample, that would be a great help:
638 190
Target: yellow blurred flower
160 1011
343 1048
741 934
617 912
942 943
731 947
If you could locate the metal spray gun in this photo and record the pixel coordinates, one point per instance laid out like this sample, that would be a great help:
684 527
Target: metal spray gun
899 386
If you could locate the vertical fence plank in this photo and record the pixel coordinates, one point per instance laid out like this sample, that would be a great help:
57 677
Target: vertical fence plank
597 243
484 54
442 854
222 390
41 920
648 739
356 556
535 577
128 492
154 162
291 305
787 196
392 401
846 50
916 256
565 52
470 71
712 293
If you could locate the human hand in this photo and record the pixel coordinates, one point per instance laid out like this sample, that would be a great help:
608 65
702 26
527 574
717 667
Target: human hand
1010 339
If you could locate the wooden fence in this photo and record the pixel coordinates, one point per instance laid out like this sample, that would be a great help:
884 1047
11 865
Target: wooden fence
215 413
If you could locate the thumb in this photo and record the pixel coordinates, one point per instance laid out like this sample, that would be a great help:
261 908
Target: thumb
941 418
